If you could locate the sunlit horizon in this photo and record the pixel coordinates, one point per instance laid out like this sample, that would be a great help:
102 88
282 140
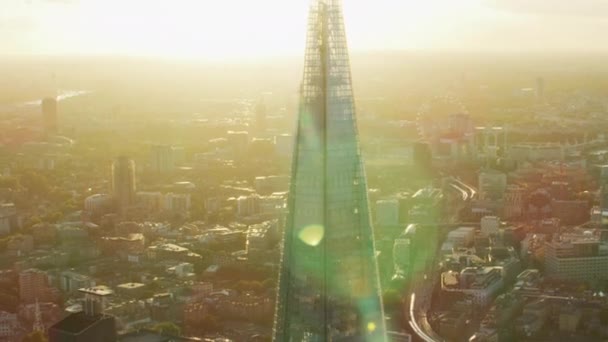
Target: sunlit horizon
242 29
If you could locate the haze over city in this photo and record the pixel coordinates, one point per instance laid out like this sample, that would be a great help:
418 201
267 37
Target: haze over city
303 170
242 29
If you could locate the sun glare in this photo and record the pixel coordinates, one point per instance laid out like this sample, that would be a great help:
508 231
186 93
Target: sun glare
229 29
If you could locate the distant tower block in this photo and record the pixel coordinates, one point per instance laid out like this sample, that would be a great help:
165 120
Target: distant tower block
329 289
540 88
162 158
49 115
123 183
260 116
604 187
491 142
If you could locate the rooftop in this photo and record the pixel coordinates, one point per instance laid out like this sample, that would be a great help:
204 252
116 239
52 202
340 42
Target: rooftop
151 336
78 322
130 286
97 291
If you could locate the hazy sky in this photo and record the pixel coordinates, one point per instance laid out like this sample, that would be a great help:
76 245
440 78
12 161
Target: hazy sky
255 28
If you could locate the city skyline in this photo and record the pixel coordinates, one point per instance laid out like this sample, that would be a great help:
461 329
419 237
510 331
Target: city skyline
172 171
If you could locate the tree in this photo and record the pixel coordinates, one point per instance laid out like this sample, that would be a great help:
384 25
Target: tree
35 183
35 336
167 328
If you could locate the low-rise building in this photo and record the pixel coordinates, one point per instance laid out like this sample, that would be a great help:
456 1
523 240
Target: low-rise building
569 318
131 244
482 284
533 318
71 281
130 290
169 251
8 218
461 237
9 325
34 286
261 237
182 270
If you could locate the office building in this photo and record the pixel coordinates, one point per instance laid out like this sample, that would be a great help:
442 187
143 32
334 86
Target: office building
329 288
9 326
492 184
482 284
177 203
123 183
247 205
490 142
71 282
8 218
98 204
34 286
461 237
162 158
577 256
89 325
403 251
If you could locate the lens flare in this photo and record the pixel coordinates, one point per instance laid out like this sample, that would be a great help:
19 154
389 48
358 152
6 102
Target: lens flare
312 235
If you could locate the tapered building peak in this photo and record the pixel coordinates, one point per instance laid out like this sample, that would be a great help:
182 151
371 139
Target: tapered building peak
328 288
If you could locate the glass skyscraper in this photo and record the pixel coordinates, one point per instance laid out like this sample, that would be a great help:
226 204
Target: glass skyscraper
329 288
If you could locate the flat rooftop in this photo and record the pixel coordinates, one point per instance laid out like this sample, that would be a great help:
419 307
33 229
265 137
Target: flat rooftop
97 291
150 336
78 322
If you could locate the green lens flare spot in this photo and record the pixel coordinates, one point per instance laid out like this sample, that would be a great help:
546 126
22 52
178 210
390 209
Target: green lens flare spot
371 327
312 235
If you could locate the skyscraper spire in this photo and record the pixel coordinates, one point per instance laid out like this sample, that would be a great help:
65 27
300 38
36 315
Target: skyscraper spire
328 288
